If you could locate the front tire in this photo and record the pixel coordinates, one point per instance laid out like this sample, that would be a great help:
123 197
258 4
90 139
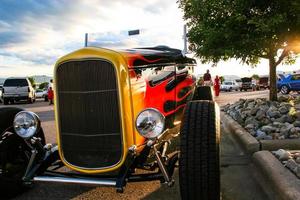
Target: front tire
203 93
199 171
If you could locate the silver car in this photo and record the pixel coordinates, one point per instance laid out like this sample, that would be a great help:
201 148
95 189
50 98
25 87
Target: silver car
228 86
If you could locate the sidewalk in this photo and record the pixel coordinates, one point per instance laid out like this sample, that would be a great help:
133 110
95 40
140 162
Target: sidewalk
237 175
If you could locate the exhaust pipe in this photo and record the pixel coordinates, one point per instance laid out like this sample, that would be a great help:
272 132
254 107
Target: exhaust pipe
85 181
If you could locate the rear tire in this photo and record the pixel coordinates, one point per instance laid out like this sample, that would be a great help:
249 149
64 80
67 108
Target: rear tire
203 93
199 171
30 100
284 89
5 101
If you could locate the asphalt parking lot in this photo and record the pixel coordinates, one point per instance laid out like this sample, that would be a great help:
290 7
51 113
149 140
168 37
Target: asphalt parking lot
236 173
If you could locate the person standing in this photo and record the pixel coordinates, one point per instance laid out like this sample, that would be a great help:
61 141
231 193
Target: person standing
207 79
217 86
50 95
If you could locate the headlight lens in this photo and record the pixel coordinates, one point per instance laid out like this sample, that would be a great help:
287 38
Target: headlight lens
150 123
26 124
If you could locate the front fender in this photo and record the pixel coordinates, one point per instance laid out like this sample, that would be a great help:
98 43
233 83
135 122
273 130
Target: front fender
7 116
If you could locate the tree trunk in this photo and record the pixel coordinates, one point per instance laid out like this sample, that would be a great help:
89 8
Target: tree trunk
273 79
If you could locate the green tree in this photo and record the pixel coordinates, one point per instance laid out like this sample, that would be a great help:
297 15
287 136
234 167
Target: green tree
255 76
43 85
244 30
222 79
32 81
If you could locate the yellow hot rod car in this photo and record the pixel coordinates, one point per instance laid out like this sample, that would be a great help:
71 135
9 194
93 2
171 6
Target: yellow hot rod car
115 112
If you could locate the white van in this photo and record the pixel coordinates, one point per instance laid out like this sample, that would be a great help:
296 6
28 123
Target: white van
18 89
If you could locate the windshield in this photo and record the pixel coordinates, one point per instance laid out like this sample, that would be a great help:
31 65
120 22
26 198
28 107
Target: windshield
15 83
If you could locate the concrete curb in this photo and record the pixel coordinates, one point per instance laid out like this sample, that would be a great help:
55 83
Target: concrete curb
248 142
273 145
283 183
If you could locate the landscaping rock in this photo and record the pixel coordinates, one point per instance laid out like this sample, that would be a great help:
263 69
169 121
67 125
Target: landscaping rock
260 114
297 105
268 129
294 136
252 120
249 126
265 121
296 123
282 154
254 111
283 110
282 98
277 120
260 135
273 112
284 130
297 115
290 160
292 165
278 124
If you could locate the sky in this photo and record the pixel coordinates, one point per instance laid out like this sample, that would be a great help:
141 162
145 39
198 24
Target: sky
35 33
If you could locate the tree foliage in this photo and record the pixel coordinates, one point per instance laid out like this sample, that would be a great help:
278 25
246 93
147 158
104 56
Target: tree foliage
255 76
222 79
32 81
246 30
43 85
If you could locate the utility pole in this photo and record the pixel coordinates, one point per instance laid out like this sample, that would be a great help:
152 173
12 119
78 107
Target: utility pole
86 40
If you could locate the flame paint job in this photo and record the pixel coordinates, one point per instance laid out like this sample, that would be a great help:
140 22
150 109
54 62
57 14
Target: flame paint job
147 78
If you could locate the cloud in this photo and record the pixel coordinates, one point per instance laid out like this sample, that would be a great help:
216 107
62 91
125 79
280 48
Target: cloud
36 33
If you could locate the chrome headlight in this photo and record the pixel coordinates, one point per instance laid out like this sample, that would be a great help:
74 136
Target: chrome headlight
150 123
26 124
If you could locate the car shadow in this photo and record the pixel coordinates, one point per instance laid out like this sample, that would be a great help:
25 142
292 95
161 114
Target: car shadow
46 115
165 192
50 191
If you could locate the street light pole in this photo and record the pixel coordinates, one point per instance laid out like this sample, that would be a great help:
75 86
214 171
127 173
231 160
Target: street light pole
184 40
86 40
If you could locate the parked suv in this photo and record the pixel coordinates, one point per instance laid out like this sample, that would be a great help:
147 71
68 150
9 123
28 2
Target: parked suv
17 89
264 82
246 84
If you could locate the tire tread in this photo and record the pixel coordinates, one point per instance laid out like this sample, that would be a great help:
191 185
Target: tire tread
199 161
